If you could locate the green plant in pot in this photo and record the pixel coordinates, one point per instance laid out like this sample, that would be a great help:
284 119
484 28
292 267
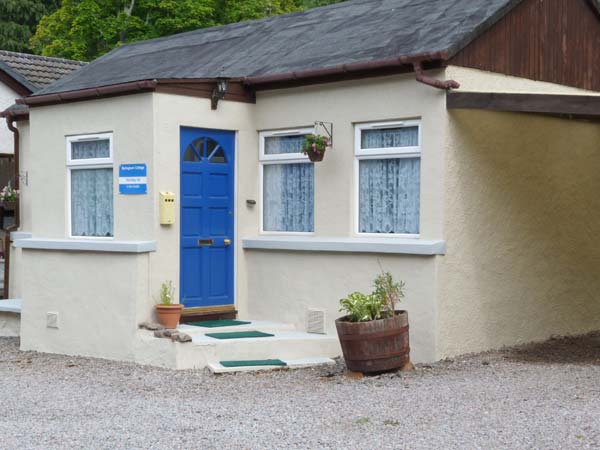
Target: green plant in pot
167 311
373 333
315 146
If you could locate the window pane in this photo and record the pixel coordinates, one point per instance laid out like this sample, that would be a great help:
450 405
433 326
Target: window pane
277 145
190 154
92 202
288 197
389 191
390 137
90 149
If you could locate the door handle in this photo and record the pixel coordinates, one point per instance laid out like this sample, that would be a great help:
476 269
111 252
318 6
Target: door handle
227 242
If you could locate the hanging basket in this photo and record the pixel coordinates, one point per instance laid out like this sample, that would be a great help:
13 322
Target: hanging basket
9 205
315 155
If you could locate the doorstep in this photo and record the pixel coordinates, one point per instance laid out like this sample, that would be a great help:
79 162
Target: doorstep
213 313
297 348
291 364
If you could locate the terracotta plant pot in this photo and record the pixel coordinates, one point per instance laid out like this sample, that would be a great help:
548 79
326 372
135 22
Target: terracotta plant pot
315 156
169 315
376 346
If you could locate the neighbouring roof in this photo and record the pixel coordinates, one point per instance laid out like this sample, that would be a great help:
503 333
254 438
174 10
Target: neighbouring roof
357 31
36 72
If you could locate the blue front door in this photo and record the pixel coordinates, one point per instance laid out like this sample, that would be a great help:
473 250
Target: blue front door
207 221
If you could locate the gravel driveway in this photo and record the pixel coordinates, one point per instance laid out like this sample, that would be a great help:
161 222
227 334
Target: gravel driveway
544 396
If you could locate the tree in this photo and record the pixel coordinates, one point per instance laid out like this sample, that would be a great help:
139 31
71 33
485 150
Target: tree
86 29
239 10
18 19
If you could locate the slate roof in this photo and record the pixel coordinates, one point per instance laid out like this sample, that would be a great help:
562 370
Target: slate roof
36 72
343 33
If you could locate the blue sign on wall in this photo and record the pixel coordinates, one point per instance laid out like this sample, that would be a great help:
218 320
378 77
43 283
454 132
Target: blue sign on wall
133 179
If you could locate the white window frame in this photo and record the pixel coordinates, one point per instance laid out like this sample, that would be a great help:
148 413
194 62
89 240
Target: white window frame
361 154
90 163
287 158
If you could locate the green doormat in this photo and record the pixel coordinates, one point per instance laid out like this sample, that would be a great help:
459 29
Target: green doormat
239 335
218 323
257 362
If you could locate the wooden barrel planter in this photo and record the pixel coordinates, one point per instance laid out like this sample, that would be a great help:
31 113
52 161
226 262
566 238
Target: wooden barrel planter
375 346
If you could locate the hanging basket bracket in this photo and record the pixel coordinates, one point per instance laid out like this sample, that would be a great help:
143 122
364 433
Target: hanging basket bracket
325 128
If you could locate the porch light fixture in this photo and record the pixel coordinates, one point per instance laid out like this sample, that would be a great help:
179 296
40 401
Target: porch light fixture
218 93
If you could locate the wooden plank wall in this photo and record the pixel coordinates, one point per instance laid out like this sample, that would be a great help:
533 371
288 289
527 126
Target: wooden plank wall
557 41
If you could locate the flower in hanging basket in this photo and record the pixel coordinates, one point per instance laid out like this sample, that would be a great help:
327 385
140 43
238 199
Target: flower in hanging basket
315 146
8 194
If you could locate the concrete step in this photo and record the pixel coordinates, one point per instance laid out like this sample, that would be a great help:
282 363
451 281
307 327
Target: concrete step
304 363
255 325
283 345
204 351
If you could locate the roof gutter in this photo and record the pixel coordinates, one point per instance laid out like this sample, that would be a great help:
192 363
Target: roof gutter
433 82
21 114
117 89
416 61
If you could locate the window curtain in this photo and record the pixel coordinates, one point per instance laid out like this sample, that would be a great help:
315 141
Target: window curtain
390 137
389 195
90 149
92 202
288 197
278 145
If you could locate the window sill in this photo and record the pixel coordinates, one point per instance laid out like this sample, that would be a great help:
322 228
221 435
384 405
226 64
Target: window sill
86 245
400 246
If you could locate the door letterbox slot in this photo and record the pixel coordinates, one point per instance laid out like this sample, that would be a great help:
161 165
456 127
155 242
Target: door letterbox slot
205 242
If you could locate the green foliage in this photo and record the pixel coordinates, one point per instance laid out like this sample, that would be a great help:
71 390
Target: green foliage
239 10
18 20
362 308
167 293
315 143
380 304
390 292
86 29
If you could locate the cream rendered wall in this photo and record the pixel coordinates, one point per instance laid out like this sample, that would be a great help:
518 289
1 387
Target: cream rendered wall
348 103
130 119
171 113
481 81
520 208
100 297
283 284
7 98
521 223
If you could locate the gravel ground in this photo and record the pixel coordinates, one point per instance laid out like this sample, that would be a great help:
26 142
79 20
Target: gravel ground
544 396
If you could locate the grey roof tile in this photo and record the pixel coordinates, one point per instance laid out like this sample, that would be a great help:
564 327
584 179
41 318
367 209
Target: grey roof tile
343 33
36 72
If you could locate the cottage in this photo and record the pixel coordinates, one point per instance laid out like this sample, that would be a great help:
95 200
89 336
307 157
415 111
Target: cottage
464 160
